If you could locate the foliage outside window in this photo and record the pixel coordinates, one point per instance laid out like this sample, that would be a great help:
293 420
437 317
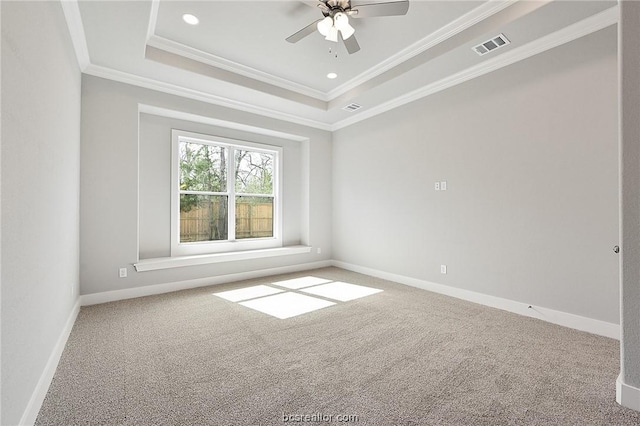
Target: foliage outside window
225 195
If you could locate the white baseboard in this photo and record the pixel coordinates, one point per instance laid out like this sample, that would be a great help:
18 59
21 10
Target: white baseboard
40 392
565 319
130 293
627 396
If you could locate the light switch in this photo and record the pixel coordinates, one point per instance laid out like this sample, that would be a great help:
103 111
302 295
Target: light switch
443 185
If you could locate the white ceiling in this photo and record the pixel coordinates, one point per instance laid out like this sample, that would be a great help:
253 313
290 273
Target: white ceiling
253 34
237 55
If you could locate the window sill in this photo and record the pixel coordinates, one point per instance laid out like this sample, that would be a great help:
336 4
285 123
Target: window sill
204 259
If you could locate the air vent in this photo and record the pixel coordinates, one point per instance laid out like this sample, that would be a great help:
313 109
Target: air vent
491 45
352 107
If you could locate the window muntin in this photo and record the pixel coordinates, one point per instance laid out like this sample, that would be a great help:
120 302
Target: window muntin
224 195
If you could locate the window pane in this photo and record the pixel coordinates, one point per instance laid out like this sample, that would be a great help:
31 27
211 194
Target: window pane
203 167
203 217
254 172
254 217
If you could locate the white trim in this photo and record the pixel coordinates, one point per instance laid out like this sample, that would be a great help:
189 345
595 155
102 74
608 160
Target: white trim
587 26
138 189
179 115
234 67
205 259
230 244
627 395
40 392
484 11
572 32
172 89
153 20
130 293
478 14
565 319
72 15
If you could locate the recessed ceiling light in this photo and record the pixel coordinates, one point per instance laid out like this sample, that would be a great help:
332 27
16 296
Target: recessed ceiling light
190 19
332 75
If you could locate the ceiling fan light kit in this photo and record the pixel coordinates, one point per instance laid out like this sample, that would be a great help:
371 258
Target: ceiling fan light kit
325 25
336 20
332 35
341 22
330 26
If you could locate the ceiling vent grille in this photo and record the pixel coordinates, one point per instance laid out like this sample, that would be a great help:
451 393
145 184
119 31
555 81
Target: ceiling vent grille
491 45
352 107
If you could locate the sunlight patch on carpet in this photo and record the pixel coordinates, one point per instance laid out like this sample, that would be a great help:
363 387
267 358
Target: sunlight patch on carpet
286 305
297 283
248 293
341 291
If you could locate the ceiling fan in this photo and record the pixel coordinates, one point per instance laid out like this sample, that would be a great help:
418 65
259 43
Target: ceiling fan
335 24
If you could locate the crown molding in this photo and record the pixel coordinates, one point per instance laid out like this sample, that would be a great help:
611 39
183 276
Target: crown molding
71 11
572 32
153 19
189 52
195 118
469 19
172 89
216 61
485 10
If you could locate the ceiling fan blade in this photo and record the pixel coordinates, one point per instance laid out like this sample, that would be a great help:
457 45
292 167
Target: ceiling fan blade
310 3
395 8
315 4
351 44
296 37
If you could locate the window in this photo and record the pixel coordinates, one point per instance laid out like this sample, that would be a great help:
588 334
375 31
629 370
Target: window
224 195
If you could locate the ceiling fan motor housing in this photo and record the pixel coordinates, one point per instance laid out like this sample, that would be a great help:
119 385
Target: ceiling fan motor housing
332 7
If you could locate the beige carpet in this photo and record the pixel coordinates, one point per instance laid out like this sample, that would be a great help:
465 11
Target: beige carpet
400 357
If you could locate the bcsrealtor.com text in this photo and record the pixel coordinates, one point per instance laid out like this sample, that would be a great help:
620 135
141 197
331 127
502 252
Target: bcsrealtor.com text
319 418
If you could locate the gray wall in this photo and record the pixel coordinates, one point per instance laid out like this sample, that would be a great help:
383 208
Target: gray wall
530 156
155 180
109 187
40 190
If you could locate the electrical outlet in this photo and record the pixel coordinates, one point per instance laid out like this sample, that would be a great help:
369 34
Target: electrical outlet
319 250
123 272
437 186
443 269
443 185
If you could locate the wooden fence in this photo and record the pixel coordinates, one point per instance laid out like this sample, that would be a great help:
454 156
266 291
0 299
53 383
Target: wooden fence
253 220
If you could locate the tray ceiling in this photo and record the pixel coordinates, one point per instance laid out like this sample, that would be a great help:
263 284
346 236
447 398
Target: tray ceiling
237 55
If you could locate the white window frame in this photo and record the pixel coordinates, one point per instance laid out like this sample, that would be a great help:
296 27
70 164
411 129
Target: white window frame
231 244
